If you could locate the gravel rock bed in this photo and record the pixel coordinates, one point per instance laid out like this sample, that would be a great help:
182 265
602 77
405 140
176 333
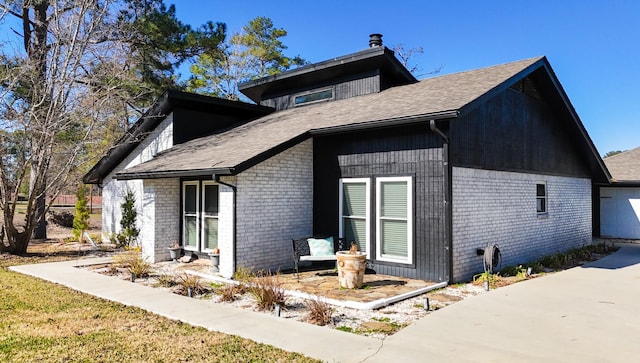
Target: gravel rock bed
378 323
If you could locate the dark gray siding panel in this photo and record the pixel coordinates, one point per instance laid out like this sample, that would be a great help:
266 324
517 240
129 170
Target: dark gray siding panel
345 88
409 151
516 132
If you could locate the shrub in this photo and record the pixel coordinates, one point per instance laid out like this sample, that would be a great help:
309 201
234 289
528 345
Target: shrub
227 292
125 259
319 312
166 280
130 232
267 291
62 218
186 281
139 267
81 219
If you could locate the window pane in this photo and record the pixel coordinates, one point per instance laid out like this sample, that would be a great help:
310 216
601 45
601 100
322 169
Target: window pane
355 230
190 232
210 233
394 238
541 205
311 97
354 202
211 200
540 190
393 199
190 195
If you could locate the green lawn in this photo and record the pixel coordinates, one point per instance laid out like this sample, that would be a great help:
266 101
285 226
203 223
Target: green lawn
45 322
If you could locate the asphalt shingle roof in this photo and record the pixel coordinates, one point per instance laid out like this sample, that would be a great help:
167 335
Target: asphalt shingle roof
427 97
624 166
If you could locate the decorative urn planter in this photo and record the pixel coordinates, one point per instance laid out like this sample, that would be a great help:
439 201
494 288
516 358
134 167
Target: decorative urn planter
175 253
214 256
215 261
351 267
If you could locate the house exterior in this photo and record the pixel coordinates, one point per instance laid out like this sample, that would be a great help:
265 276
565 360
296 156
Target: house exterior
420 174
620 200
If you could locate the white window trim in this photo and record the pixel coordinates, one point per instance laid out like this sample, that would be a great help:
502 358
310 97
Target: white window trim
367 182
389 258
203 216
184 215
545 197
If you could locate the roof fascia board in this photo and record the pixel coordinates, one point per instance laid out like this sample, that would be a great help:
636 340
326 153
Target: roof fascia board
173 174
576 119
503 86
255 89
367 125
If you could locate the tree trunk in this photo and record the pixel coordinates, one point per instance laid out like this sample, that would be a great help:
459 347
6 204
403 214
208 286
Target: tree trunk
17 242
40 231
37 192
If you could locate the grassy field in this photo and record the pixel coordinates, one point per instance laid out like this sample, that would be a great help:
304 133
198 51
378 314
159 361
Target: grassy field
45 322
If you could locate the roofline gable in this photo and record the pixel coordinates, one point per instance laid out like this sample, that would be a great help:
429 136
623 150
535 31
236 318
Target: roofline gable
157 113
375 57
595 161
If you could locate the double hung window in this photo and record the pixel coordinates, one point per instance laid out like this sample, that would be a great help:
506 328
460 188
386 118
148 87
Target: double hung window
394 230
393 216
199 215
354 212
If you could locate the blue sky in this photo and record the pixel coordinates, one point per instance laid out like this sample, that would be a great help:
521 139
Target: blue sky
592 45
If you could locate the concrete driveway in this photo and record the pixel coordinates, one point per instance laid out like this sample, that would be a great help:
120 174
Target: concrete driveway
585 314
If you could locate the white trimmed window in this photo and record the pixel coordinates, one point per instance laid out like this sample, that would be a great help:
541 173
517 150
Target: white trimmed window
209 236
354 212
199 215
541 198
190 220
394 219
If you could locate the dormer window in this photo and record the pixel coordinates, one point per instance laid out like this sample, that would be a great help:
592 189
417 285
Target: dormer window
312 97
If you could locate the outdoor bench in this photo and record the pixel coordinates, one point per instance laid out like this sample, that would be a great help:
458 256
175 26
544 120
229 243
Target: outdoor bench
316 249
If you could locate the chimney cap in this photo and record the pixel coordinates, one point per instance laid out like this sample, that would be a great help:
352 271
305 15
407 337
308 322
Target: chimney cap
375 40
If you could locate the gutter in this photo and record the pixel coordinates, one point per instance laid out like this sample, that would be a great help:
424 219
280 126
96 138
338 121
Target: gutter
234 189
391 122
448 194
172 174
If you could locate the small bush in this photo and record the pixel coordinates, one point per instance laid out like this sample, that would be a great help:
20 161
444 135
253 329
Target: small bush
319 312
62 218
227 292
186 281
243 274
125 259
81 218
165 280
139 267
520 272
267 291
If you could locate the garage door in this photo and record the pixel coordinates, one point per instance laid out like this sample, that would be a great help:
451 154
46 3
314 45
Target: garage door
620 212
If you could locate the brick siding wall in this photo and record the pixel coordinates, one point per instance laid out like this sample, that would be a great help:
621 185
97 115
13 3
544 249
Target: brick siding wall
495 207
274 205
160 220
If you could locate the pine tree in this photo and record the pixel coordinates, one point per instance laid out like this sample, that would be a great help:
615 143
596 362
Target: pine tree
130 231
81 218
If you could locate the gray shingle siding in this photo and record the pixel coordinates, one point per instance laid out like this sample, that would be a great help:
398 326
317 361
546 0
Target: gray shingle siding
496 207
274 204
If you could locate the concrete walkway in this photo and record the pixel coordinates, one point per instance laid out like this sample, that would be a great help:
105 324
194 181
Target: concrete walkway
586 314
